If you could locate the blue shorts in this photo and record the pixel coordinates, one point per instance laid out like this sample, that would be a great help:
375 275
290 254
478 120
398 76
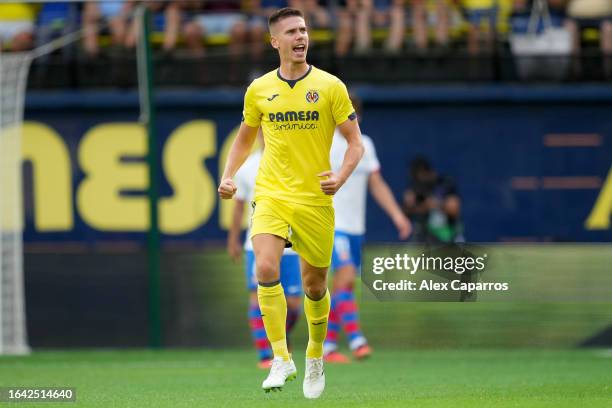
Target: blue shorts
347 250
290 278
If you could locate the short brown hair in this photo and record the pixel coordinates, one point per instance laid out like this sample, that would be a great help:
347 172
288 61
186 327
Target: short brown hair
282 14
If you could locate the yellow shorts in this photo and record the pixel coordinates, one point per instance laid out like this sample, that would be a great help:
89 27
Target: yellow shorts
308 228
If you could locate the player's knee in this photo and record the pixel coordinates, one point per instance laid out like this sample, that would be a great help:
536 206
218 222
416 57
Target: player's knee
267 270
315 291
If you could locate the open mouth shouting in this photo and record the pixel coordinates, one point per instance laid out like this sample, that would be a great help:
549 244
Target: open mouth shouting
299 50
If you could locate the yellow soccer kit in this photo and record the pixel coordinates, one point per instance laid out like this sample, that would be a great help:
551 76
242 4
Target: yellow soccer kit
298 118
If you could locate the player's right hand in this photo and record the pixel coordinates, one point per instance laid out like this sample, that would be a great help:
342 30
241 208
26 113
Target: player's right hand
227 189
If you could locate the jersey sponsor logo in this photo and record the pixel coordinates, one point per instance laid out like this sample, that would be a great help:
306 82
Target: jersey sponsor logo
295 126
272 97
312 96
293 116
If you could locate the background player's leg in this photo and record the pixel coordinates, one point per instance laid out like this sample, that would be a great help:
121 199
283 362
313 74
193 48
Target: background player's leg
316 307
258 332
292 285
346 309
272 303
330 347
293 312
333 330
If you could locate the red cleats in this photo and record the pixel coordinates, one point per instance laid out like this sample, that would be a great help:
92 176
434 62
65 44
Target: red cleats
362 352
335 357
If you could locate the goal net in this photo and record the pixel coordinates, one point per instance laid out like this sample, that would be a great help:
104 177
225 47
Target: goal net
13 75
14 69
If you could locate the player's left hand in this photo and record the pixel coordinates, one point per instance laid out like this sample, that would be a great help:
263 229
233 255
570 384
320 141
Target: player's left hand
403 225
331 184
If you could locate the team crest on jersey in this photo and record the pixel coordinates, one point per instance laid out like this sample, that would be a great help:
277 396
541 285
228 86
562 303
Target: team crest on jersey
312 96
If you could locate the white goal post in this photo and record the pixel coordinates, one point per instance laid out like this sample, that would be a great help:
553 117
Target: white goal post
14 69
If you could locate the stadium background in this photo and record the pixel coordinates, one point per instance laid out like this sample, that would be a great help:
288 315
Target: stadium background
507 143
87 275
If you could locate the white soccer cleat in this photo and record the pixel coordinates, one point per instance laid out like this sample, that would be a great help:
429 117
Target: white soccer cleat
314 378
280 372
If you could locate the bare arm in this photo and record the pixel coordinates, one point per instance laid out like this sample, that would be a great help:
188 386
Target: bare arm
234 245
238 154
354 151
384 197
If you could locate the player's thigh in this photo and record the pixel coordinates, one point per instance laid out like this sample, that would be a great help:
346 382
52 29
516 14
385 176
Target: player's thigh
270 217
269 234
290 275
313 234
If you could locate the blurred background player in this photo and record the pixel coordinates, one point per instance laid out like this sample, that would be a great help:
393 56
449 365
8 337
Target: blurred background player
433 203
289 268
350 208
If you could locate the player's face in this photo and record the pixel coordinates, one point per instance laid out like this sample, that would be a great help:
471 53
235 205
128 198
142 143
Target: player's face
290 38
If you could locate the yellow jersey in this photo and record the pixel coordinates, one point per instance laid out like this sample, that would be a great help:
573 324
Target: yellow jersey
298 119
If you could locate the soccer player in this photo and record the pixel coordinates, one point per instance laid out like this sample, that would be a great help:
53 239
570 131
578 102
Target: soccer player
298 107
350 207
289 266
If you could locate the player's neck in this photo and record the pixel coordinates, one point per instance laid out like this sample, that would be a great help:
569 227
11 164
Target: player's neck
289 70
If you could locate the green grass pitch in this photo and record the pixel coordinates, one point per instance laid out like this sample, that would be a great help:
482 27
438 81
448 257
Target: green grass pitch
415 378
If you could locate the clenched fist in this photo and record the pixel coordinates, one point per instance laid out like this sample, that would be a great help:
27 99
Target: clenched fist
331 184
227 189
